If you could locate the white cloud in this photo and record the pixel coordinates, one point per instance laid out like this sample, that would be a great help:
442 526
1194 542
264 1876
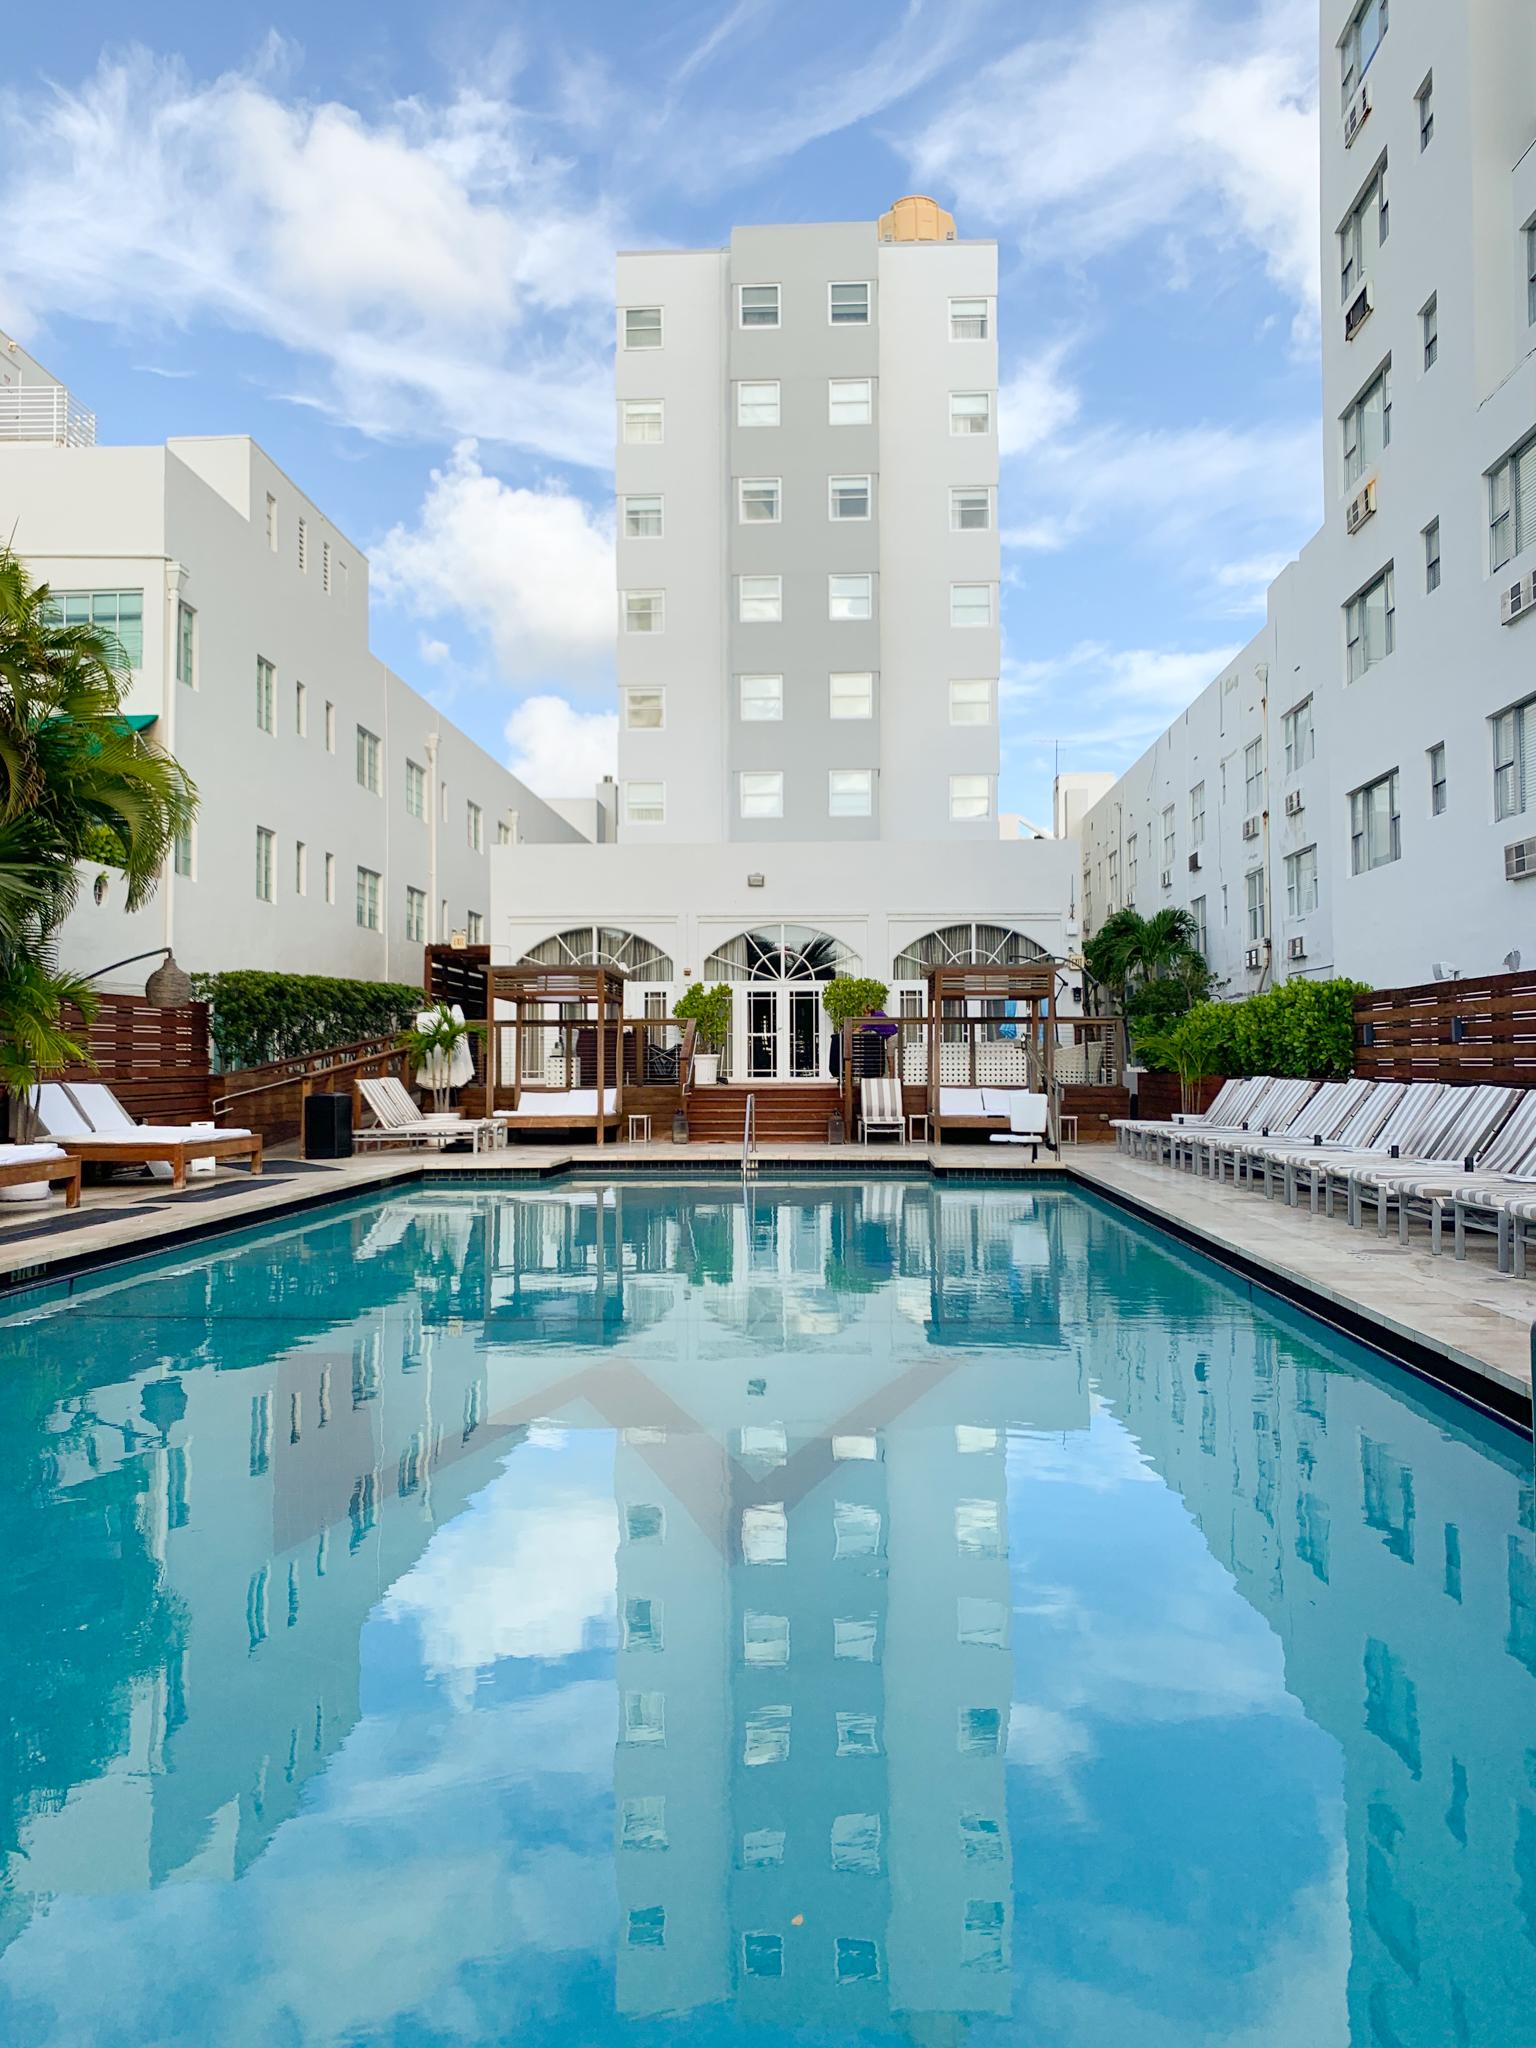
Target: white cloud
531 569
1165 115
1115 700
1035 403
558 750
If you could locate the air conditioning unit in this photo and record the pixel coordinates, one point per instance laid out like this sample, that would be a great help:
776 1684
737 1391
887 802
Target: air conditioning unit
1166 878
1520 860
1296 949
1194 863
1251 827
1518 600
1362 506
1356 114
1358 313
1255 958
1293 803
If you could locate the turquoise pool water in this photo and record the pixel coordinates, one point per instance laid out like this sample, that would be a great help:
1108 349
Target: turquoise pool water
858 1613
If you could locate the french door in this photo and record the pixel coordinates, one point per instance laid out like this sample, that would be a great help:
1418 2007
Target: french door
782 1033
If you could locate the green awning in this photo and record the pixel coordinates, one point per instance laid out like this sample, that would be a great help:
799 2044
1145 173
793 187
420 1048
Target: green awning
137 721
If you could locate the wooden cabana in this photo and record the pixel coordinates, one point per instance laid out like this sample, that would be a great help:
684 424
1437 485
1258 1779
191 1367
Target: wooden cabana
990 1031
554 1056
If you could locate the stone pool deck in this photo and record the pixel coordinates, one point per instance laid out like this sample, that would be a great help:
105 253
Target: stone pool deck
1475 1320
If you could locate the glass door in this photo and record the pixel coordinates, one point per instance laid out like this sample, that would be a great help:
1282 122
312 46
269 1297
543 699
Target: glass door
803 1035
763 1034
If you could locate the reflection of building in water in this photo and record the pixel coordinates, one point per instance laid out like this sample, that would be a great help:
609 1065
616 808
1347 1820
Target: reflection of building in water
1395 1558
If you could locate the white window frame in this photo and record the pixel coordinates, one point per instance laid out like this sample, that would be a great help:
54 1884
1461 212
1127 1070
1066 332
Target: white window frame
1360 817
415 916
186 644
961 707
985 316
966 430
1432 565
852 284
1356 619
761 484
967 801
300 868
636 411
1358 458
1429 331
857 799
369 761
1355 267
474 826
1256 904
747 326
864 415
962 500
847 704
642 347
759 384
1170 837
271 523
767 618
266 696
330 878
846 618
1424 99
756 704
658 613
1512 505
645 801
1352 68
1513 732
415 787
965 624
369 899
266 865
1299 735
629 693
635 499
1197 815
1438 786
184 852
1197 911
474 927
837 483
1301 884
766 800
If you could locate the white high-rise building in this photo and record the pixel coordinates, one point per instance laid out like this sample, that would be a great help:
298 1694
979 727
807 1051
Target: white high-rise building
1356 793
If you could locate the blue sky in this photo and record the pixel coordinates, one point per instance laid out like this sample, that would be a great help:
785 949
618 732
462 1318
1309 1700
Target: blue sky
381 242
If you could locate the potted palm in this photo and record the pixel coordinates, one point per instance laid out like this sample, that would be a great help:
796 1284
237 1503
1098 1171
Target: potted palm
438 1047
710 1011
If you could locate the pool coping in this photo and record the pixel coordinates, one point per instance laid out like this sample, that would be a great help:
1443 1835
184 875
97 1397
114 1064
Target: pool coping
1480 1383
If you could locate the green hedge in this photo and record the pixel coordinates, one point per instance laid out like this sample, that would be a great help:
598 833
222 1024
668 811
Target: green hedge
256 1017
1300 1028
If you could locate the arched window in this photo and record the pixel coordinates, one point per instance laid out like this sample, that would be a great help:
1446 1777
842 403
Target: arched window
588 945
780 952
965 945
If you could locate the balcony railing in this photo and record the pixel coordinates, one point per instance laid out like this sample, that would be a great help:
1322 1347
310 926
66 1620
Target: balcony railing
45 412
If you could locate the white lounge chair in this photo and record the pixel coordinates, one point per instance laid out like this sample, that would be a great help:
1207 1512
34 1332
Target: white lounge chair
87 1119
1358 1131
1508 1151
1275 1111
1415 1113
1464 1120
1324 1117
400 1122
1239 1113
880 1109
1028 1122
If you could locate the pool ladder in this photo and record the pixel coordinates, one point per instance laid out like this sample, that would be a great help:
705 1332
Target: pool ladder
749 1140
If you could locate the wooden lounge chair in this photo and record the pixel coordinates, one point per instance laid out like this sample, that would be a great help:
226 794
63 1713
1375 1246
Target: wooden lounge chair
20 1164
880 1109
91 1125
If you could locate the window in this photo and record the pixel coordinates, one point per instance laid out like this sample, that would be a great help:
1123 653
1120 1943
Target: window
1301 882
1362 235
330 878
330 728
1429 330
644 611
850 792
851 695
1530 274
1375 830
642 519
761 795
970 510
1361 41
970 412
1253 777
970 703
970 604
759 305
300 868
644 709
300 711
850 401
1369 627
266 695
1432 555
504 833
968 320
271 522
474 827
758 498
474 927
760 600
1170 847
1437 780
757 405
1514 760
303 547
416 916
325 567
1197 815
848 497
761 697
415 790
118 613
642 327
184 852
266 865
1512 504
186 645
641 420
1368 427
848 305
1296 730
1253 884
1197 912
645 803
368 755
368 884
970 796
850 597
1132 866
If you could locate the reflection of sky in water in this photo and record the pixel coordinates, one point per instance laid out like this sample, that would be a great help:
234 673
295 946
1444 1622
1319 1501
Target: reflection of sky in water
877 1615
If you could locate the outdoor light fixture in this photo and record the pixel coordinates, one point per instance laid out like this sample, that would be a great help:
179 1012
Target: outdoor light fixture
756 881
169 987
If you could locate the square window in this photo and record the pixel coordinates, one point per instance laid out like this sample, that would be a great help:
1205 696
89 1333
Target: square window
758 499
765 1529
857 1961
642 327
855 1638
978 1528
765 1638
643 1822
644 611
970 510
766 1738
644 709
644 1522
645 1719
851 695
974 1438
861 1448
970 604
761 697
981 1624
970 703
642 1625
981 1731
981 1838
757 405
970 796
858 1735
850 401
850 792
970 412
642 518
762 1955
848 305
968 319
855 1529
850 597
848 497
642 420
647 1927
762 1848
855 1843
760 600
759 305
645 803
762 795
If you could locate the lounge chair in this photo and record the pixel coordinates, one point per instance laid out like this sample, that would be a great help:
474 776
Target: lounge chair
1276 1111
1325 1116
1416 1113
87 1119
400 1122
1463 1120
1028 1122
1508 1151
21 1164
1359 1130
880 1109
1236 1114
559 1109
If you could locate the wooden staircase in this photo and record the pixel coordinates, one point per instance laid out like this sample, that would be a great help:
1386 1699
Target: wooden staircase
790 1115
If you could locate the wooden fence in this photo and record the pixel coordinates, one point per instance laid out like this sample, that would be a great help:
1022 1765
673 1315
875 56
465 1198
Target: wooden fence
1466 1031
155 1061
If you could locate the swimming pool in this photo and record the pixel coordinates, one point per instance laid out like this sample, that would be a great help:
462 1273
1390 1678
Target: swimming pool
832 1612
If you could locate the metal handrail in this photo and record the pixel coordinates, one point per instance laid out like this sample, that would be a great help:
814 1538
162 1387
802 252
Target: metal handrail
749 1138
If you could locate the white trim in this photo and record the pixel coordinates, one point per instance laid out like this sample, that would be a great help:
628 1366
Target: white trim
759 384
642 347
774 716
762 284
656 690
842 284
741 500
846 518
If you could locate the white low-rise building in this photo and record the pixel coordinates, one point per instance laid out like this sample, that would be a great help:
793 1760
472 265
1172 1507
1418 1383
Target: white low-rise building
1356 793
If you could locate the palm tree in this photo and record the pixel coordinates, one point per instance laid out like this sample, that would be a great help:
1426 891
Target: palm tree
1151 967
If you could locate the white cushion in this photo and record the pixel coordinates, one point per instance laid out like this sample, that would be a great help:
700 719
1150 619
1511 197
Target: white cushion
154 1134
962 1102
18 1155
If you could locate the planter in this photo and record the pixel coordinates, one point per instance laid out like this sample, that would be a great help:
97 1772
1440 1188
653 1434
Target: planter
706 1069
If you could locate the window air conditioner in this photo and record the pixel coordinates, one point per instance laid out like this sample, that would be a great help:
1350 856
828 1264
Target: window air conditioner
1517 600
1194 863
1251 828
1293 803
1356 114
1362 506
1359 312
1520 860
1166 878
1296 949
1255 957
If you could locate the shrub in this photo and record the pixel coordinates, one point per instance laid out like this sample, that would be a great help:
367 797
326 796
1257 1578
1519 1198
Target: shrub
853 995
710 1008
256 1016
1304 1028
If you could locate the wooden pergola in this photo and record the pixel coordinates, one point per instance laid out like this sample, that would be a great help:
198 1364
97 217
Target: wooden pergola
580 1048
955 996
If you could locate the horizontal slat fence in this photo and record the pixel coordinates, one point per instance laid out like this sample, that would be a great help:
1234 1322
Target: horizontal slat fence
154 1061
1466 1031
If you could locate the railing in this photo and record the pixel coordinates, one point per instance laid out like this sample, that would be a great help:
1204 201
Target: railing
45 412
749 1139
1090 1052
271 1099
